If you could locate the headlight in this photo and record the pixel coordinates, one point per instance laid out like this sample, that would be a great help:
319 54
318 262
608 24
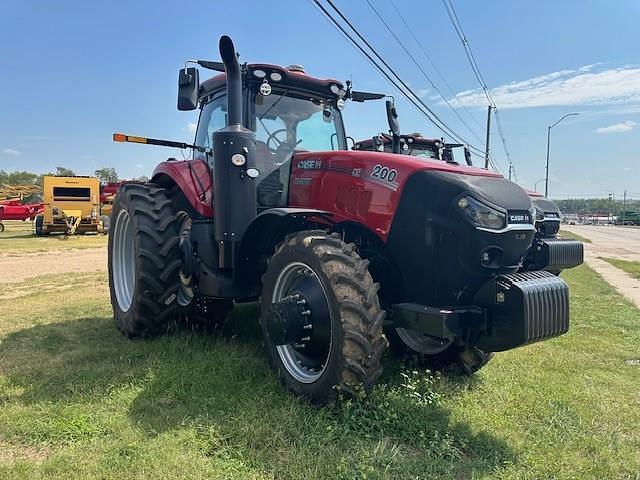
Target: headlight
482 215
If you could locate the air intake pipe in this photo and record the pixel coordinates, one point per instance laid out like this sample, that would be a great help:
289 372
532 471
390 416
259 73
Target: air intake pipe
234 152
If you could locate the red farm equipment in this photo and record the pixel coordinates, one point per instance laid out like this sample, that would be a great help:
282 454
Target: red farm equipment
346 250
12 207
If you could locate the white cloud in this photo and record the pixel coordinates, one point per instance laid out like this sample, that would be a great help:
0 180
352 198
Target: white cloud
139 165
11 151
582 86
423 92
192 127
618 127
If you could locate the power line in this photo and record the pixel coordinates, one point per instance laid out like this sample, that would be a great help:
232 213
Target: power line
415 62
400 84
431 62
453 17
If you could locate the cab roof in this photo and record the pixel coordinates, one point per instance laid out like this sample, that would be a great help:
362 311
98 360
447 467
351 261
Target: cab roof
292 77
415 138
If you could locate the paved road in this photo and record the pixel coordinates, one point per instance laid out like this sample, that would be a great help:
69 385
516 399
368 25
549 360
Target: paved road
612 242
617 242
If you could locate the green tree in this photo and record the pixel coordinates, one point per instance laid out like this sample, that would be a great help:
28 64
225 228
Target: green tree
107 175
65 172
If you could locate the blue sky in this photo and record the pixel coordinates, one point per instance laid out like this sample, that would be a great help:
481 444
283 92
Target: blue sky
74 72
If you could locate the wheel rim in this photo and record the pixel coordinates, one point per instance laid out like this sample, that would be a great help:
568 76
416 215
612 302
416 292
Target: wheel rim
123 261
423 343
303 363
185 292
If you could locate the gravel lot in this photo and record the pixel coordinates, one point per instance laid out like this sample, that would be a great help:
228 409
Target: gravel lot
17 267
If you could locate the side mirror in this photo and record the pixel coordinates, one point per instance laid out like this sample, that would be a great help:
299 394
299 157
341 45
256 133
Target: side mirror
378 144
188 87
467 156
392 118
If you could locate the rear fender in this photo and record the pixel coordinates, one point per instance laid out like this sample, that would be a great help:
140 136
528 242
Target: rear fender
193 178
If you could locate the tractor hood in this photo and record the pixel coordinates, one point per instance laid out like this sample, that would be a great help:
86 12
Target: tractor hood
393 171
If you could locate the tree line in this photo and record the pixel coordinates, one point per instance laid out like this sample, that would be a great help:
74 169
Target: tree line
590 206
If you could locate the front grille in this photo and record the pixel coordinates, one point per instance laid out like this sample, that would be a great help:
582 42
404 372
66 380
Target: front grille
548 228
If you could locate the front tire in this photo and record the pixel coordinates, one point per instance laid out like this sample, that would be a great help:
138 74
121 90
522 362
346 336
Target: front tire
436 353
39 226
144 260
321 318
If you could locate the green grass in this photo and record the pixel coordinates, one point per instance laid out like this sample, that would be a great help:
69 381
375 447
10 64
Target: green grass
78 400
573 236
631 267
18 237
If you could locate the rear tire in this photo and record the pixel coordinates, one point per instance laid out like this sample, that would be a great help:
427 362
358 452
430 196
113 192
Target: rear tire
106 223
144 260
320 285
39 226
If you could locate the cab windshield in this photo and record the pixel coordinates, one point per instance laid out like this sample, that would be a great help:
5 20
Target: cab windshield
287 123
422 151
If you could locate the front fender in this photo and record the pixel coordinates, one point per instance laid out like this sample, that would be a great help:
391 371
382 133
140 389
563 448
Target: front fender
193 178
266 231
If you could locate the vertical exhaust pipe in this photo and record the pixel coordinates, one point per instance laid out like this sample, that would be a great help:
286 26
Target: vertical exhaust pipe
234 151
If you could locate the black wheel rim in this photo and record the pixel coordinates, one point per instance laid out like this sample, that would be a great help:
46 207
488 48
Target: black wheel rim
304 357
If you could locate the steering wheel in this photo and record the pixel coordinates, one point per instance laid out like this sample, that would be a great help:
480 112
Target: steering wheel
273 139
279 145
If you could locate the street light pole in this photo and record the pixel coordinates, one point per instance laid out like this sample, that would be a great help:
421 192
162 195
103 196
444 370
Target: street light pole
546 181
535 185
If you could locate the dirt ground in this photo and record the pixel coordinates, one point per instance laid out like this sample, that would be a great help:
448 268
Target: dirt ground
612 242
17 267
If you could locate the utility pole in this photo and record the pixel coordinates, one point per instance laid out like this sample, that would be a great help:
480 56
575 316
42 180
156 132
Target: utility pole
486 151
624 206
610 216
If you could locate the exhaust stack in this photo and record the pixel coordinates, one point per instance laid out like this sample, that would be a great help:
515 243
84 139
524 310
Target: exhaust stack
234 151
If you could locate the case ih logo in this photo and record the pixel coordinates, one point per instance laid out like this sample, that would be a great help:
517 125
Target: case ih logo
309 164
523 217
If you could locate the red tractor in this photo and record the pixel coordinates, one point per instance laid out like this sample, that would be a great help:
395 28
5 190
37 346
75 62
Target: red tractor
344 249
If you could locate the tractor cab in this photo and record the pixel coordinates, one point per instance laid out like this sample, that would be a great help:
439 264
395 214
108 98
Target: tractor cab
289 112
415 145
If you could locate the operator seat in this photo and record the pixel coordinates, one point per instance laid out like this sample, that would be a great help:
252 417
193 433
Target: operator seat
272 186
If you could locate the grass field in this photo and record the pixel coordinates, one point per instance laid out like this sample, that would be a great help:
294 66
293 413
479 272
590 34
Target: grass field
632 268
18 237
573 236
78 400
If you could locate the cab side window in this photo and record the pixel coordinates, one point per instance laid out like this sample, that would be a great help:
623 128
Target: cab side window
212 117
